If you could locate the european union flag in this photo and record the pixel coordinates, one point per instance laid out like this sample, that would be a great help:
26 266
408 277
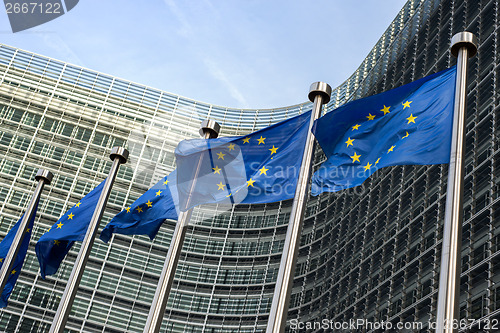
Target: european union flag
18 262
411 124
257 168
54 244
146 215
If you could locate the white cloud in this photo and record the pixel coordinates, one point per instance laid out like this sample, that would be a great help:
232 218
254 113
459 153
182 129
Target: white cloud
220 75
63 50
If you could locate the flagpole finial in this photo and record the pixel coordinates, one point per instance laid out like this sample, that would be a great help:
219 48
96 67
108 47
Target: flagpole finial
464 39
44 174
209 128
320 88
119 152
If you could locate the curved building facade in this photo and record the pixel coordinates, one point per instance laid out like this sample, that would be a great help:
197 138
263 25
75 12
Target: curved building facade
371 252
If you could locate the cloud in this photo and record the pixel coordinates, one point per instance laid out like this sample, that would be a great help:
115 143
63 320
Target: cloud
63 50
220 75
186 29
191 34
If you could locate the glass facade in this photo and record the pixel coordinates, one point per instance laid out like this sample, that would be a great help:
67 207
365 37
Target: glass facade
371 252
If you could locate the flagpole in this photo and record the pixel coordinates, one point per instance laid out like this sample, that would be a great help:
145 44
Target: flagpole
43 177
463 46
319 93
119 156
209 130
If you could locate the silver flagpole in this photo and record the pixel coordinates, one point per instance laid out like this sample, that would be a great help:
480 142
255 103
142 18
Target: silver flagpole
119 156
43 177
209 130
319 93
463 46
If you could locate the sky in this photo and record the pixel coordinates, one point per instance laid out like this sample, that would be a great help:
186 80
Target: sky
233 53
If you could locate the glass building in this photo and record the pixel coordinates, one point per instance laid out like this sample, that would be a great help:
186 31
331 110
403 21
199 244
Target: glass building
371 252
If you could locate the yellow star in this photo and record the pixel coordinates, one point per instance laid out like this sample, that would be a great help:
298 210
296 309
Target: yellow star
70 216
250 182
48 229
391 149
273 150
405 135
59 225
349 142
1 259
246 140
221 155
158 193
378 160
385 110
367 166
370 116
28 229
128 209
56 242
13 272
411 119
217 169
406 104
78 204
356 127
355 157
165 182
263 170
139 209
149 203
231 146
261 140
220 186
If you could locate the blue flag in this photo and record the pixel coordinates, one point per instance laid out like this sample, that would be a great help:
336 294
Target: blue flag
18 262
146 215
54 244
256 168
411 124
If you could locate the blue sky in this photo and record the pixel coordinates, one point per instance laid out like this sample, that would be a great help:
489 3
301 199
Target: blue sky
235 53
